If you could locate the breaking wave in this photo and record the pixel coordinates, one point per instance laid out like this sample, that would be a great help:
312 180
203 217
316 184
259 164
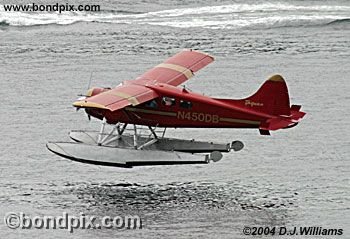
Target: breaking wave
265 15
4 23
340 21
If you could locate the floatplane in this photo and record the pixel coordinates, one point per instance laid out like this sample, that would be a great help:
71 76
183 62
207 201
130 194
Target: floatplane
153 102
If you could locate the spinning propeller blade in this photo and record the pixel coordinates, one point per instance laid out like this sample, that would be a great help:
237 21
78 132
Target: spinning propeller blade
84 96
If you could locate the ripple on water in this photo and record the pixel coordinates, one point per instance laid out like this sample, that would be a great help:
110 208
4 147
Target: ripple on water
174 196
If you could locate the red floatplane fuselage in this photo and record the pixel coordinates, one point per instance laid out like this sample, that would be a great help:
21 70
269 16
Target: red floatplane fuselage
154 100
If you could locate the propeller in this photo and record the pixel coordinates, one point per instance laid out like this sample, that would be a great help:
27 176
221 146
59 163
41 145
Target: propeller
84 96
89 85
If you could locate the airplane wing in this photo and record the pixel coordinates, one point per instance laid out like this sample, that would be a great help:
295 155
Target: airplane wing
177 69
174 71
118 98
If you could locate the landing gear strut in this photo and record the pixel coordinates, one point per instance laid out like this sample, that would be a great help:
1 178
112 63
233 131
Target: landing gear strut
119 128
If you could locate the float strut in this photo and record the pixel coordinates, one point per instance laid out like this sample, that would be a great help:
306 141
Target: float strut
154 133
101 131
135 137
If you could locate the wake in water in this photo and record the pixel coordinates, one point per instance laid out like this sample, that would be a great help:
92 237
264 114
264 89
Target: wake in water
234 16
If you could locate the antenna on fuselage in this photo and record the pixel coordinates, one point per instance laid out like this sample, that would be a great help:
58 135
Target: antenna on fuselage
185 88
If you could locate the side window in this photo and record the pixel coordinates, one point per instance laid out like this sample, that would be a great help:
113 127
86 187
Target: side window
151 104
168 101
185 104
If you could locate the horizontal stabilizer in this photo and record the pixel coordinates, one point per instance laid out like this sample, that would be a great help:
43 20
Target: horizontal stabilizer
295 112
279 123
276 123
295 107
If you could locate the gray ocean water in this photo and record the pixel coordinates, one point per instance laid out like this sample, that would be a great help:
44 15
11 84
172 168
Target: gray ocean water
296 177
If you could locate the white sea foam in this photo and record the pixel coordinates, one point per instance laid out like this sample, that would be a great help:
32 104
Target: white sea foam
262 22
247 8
226 16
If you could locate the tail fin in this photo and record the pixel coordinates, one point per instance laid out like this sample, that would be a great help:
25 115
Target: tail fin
272 97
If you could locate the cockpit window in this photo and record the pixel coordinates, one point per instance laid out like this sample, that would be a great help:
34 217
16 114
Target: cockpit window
151 104
168 101
185 104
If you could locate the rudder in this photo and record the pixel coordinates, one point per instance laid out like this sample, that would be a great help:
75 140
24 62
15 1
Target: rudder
271 98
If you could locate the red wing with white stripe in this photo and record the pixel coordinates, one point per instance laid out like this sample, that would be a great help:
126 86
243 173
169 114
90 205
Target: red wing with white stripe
118 98
177 69
174 71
